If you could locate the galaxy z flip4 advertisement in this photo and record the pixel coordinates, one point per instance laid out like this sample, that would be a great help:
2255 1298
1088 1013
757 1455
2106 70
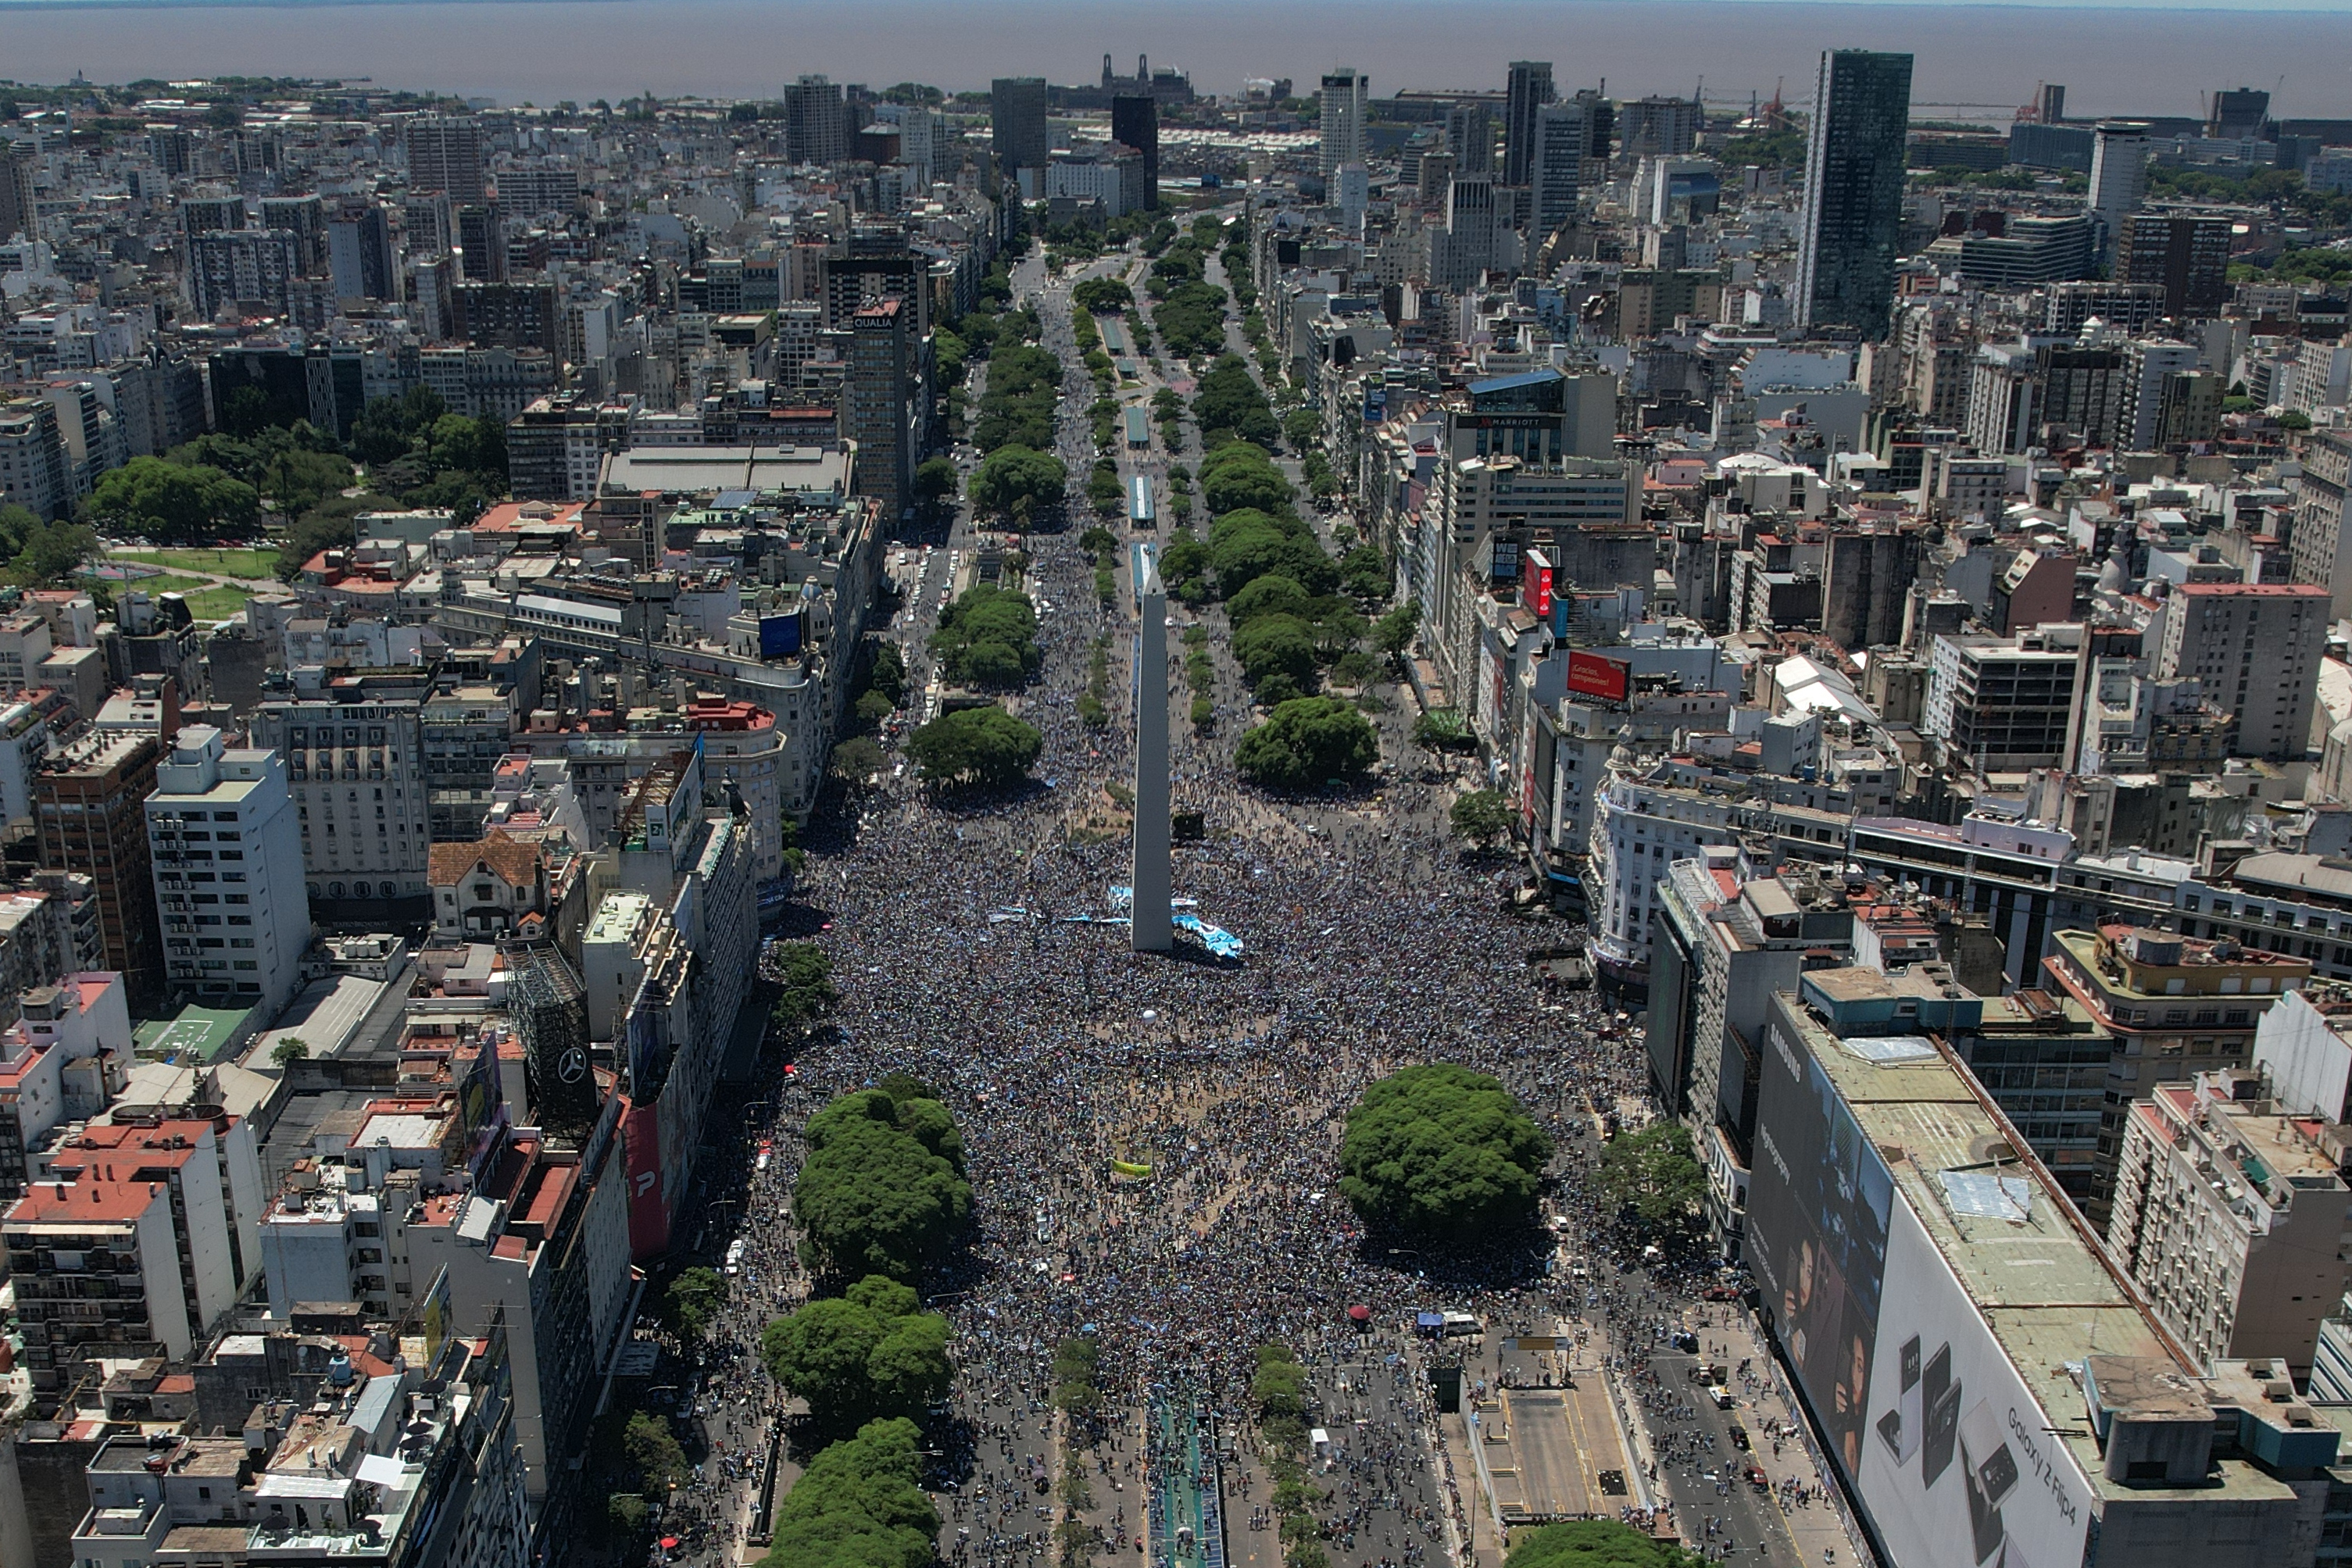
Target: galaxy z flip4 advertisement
1935 1431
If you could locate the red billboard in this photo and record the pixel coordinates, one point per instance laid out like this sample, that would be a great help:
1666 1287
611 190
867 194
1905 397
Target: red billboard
1539 584
648 1205
1597 676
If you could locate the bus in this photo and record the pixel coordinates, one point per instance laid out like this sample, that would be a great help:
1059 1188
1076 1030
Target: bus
1140 512
1139 428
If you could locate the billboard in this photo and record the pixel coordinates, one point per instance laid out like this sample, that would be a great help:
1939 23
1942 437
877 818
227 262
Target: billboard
648 1207
779 635
1539 584
1597 676
1817 1218
1960 1467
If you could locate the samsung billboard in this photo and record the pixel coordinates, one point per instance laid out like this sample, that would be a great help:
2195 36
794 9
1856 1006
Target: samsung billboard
1961 1467
1953 1460
1817 1216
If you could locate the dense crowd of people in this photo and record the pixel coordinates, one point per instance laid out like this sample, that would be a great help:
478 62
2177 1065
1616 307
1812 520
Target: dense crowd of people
970 942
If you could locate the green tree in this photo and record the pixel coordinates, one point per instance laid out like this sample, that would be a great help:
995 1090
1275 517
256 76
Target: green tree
1272 594
1306 741
1392 634
653 1452
1102 296
1246 545
1481 817
1652 1175
1077 1378
872 707
857 761
1596 1544
870 1352
988 637
1276 645
935 480
882 1188
985 748
298 480
859 1504
693 1301
48 554
1278 1390
1239 474
170 503
805 985
290 1050
1012 473
1364 573
1442 1154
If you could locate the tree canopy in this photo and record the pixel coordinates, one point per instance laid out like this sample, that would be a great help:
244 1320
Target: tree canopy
805 984
1102 296
984 747
1306 741
1596 1544
1012 473
882 1190
1242 475
1441 1153
859 1504
1652 1177
174 503
1245 546
987 637
1481 817
693 1301
1229 406
868 1354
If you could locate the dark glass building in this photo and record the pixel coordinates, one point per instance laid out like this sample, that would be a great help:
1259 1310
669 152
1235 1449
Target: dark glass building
1853 191
1135 122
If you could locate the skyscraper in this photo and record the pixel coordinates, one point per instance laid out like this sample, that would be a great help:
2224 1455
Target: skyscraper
445 153
215 805
1853 190
1530 89
816 122
1345 102
1556 166
1135 122
879 402
1470 136
1016 122
2118 177
16 194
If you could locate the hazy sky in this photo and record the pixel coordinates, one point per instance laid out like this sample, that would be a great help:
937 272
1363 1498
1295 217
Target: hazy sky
2152 59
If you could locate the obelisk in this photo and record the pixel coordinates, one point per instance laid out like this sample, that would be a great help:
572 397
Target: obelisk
1153 930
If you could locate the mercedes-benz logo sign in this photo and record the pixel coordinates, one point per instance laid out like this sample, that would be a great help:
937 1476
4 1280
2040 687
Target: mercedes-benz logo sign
571 1065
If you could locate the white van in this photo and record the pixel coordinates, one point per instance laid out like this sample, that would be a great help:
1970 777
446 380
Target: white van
735 1257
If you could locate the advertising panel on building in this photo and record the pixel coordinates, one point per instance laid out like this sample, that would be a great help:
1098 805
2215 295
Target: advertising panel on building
1597 676
1539 584
1960 1467
1817 1237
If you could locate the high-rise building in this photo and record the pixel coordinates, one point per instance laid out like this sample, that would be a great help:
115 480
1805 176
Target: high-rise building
1662 127
2118 176
1528 90
217 810
359 254
33 471
1468 238
1345 103
16 202
1135 122
1973 1406
1470 136
245 268
878 402
1853 191
2323 554
2187 253
2238 114
1016 122
445 153
87 803
2256 647
1563 142
482 243
2229 1212
354 764
816 122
